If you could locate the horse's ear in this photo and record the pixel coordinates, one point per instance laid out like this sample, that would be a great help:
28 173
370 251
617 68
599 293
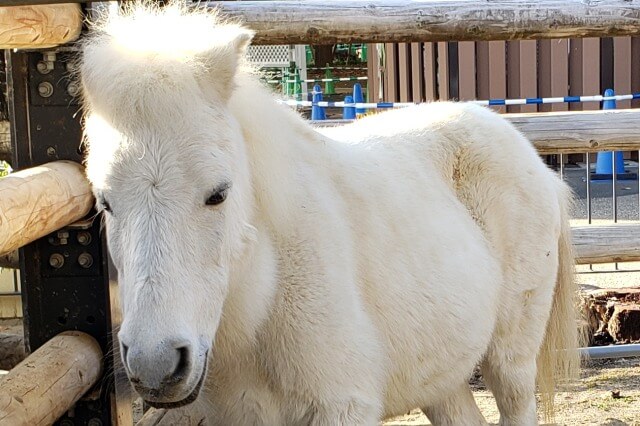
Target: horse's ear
221 62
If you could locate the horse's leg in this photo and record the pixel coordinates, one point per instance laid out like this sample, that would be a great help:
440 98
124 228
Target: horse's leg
512 380
457 408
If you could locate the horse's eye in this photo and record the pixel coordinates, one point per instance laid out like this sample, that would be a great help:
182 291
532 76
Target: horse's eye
219 195
105 205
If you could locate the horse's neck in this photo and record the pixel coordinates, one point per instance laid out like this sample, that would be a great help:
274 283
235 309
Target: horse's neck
278 142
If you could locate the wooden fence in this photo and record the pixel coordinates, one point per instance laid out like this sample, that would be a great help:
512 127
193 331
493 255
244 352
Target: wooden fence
405 72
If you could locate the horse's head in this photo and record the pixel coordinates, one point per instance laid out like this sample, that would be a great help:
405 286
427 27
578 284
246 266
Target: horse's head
168 168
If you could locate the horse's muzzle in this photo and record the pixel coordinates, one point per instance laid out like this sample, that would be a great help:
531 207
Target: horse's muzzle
186 401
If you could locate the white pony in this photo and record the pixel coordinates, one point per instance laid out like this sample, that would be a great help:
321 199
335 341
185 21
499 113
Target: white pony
281 275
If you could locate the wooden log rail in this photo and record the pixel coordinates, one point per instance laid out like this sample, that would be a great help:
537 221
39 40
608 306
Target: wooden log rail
566 132
37 201
606 243
39 26
49 381
584 131
379 21
376 21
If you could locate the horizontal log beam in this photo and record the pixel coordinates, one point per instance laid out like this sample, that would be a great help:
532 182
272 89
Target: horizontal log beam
585 131
37 201
49 381
606 243
37 27
565 132
375 21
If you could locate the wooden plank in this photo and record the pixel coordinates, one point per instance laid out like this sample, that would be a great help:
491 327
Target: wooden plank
592 131
553 72
622 68
40 200
38 27
373 73
417 84
521 73
340 21
635 69
467 70
430 73
443 72
48 382
404 76
390 73
606 243
584 72
498 71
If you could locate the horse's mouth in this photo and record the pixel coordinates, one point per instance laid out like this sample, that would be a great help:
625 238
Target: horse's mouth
186 401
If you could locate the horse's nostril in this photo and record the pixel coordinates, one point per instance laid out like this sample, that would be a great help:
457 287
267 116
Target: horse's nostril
125 351
183 366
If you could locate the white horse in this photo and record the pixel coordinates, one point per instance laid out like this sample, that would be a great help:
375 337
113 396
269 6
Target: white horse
278 274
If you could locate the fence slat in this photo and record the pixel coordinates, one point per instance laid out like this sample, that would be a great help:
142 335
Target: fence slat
390 74
491 71
622 68
404 72
430 74
443 71
553 72
521 73
467 70
417 86
584 71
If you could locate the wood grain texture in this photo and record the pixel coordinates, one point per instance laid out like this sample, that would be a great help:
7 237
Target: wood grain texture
49 381
590 131
340 21
39 26
40 200
606 243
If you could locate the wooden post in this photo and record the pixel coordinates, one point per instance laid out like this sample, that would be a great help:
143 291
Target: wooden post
40 200
39 26
46 384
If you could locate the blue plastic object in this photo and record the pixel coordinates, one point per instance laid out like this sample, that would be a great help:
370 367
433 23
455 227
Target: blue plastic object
604 161
349 113
317 113
358 98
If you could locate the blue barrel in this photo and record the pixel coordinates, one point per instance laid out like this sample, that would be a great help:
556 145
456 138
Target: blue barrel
358 98
317 113
349 113
604 162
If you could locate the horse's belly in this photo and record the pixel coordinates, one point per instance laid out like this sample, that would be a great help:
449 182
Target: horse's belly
433 292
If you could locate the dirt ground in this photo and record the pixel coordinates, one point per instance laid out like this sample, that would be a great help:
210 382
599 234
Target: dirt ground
592 401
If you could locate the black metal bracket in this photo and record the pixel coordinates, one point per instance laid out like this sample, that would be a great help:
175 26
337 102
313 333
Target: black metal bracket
64 276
